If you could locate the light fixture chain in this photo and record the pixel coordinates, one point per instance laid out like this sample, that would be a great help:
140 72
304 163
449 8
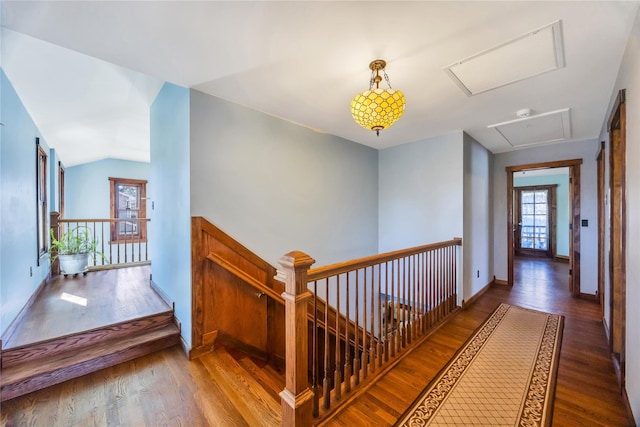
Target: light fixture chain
372 79
386 77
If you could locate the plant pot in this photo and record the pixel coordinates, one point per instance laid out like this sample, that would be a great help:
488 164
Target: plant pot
74 263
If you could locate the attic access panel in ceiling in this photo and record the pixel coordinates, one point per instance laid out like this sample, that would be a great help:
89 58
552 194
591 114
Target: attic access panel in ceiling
529 55
554 126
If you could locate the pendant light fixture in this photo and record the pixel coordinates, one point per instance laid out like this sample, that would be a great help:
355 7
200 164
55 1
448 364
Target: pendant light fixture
377 109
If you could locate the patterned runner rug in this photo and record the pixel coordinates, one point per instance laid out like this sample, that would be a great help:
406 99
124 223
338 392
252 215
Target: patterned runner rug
504 375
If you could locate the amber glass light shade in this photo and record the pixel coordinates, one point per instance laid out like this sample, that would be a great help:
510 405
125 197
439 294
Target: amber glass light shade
377 109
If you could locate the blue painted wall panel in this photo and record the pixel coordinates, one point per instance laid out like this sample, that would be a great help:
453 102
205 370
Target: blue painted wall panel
18 231
169 205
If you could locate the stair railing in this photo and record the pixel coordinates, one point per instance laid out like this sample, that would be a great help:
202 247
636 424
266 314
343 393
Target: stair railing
366 313
120 242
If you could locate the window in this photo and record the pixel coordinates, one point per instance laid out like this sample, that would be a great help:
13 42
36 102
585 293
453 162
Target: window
128 203
41 196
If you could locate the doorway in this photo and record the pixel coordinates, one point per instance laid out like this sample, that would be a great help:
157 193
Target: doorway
574 217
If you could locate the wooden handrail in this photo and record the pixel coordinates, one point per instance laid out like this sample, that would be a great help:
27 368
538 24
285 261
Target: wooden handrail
244 276
355 264
101 219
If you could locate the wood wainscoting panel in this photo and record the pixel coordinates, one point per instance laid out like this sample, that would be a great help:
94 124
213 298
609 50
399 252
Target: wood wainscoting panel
234 295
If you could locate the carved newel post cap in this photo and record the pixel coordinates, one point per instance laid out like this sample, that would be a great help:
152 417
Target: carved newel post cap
296 259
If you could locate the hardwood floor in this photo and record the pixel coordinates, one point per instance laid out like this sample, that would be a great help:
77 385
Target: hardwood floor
587 390
165 388
110 297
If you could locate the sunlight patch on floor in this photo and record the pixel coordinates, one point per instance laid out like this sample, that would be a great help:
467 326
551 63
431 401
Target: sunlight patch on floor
74 299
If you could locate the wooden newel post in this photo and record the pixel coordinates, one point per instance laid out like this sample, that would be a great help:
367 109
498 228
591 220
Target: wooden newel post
55 226
297 398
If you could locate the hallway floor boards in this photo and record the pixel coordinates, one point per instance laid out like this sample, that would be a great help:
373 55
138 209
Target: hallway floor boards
165 388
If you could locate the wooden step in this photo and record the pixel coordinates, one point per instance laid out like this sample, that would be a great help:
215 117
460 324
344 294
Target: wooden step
272 381
256 404
49 348
39 373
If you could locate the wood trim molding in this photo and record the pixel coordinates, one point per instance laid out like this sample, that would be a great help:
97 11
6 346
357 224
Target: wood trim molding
618 234
499 282
161 293
476 296
25 309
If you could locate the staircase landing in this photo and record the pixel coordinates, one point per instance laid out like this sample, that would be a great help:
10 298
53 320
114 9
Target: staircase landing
81 324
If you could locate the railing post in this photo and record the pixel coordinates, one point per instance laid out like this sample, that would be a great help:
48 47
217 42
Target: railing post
55 226
296 398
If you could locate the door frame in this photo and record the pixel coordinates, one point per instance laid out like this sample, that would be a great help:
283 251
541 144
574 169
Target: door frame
617 236
574 196
600 159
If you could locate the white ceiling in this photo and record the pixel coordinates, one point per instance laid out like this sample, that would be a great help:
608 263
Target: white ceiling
301 61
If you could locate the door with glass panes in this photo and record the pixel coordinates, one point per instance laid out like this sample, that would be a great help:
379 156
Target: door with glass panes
535 234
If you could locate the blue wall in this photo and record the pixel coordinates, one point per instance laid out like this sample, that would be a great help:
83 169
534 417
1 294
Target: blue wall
276 186
421 192
562 205
18 237
169 207
87 187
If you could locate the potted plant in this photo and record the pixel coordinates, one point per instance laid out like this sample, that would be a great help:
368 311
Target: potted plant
74 249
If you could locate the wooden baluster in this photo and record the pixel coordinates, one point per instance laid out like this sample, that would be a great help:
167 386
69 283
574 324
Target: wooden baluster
449 279
356 345
380 332
425 295
118 240
412 298
415 305
347 344
395 292
139 242
337 381
326 382
126 236
432 288
364 360
297 399
441 283
385 332
455 273
403 298
314 353
109 240
372 336
421 290
436 264
54 218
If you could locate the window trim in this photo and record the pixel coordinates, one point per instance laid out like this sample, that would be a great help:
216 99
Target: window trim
42 226
123 238
61 179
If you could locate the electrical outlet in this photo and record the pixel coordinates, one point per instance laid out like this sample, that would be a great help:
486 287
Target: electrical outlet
30 271
478 274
